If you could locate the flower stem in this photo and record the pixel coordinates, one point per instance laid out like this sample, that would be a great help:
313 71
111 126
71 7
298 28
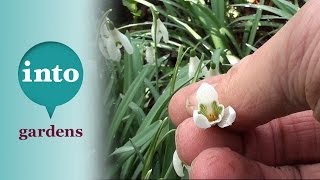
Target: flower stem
155 17
176 68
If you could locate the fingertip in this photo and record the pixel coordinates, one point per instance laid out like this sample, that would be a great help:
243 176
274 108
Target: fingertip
214 163
222 163
176 108
191 140
186 149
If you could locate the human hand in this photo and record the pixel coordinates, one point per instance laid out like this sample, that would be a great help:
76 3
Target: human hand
276 94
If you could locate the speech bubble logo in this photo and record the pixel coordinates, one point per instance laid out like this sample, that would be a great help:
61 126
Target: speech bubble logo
50 74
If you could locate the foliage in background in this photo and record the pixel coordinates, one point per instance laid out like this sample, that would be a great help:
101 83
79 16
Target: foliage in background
140 135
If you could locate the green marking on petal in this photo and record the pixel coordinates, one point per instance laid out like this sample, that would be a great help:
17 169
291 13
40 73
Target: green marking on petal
212 111
203 109
216 108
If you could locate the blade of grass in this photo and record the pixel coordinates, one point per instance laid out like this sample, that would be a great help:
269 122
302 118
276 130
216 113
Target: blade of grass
252 48
147 176
218 6
175 72
152 149
233 40
253 30
270 9
137 151
137 110
140 139
163 100
152 89
252 16
123 106
286 6
170 173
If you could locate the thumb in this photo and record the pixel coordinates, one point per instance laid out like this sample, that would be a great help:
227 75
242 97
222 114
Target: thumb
280 78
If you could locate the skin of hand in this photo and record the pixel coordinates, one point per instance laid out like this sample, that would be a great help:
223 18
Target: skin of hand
276 94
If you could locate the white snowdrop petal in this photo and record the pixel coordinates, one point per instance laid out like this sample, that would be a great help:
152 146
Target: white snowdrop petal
228 118
105 31
156 35
233 59
103 49
206 94
188 167
177 164
211 72
193 65
150 55
112 49
124 41
163 30
159 36
200 120
117 53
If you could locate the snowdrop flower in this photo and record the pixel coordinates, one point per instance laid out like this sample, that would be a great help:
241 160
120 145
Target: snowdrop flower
213 70
233 12
150 54
193 66
210 112
112 40
161 31
232 59
194 62
178 165
103 49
